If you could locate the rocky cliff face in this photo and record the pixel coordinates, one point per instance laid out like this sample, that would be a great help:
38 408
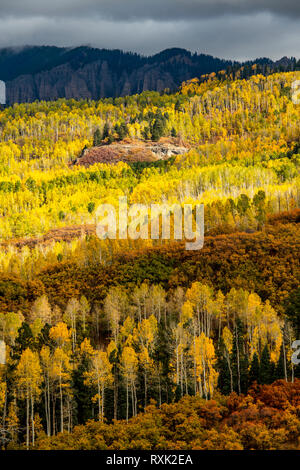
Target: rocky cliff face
48 72
130 151
94 74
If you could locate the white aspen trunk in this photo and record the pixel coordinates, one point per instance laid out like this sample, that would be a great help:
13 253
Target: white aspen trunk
32 419
53 415
135 400
61 406
49 410
102 404
230 370
195 368
132 399
238 361
284 359
204 379
127 400
27 422
145 382
159 389
99 402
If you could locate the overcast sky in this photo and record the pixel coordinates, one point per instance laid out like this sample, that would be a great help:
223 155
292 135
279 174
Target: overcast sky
237 29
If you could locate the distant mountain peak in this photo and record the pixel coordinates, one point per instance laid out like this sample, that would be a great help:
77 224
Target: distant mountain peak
84 72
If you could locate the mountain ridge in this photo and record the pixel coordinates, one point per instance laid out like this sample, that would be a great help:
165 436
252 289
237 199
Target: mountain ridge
49 72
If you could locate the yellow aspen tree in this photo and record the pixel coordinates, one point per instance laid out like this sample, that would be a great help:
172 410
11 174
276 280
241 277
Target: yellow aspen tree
71 318
46 365
126 332
158 302
84 310
113 356
115 306
61 375
100 376
60 334
129 367
3 396
187 318
254 311
182 340
200 295
140 299
12 420
204 353
29 377
145 336
271 330
41 309
219 310
86 348
227 337
236 310
186 312
36 327
11 326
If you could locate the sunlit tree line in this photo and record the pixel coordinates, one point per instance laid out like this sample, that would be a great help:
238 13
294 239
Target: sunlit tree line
65 366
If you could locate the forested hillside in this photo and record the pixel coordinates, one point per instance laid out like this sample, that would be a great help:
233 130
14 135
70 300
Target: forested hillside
264 419
102 329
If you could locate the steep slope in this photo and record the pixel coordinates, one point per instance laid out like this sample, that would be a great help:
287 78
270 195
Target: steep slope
48 73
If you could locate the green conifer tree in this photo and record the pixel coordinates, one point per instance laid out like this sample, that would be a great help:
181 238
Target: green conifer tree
97 137
265 370
254 373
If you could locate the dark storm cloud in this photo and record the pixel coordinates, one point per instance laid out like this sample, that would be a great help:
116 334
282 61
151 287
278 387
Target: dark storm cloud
237 29
158 10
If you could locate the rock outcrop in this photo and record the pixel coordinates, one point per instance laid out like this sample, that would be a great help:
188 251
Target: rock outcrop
131 151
